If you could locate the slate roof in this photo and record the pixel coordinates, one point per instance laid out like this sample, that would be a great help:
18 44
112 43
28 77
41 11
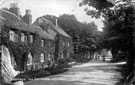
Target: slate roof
11 20
57 29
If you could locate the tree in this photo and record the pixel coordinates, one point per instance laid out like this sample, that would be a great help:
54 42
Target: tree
83 34
100 5
119 28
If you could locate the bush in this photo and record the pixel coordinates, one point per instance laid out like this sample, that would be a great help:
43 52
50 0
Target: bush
79 58
58 70
32 74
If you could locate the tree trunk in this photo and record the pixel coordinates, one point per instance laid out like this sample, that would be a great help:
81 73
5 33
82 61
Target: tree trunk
130 59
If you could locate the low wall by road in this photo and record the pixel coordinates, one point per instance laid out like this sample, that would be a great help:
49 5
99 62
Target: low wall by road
7 70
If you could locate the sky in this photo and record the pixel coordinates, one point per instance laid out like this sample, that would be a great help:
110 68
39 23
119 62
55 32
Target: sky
53 7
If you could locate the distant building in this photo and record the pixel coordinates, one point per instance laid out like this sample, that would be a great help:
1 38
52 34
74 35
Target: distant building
63 42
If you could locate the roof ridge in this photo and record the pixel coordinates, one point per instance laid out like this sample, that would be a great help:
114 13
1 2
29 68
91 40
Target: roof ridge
13 15
58 29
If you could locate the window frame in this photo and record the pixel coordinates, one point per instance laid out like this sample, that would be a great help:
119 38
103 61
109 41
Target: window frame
16 37
11 35
30 59
42 42
42 57
68 44
31 38
22 37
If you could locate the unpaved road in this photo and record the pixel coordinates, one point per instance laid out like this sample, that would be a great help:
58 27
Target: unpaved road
91 73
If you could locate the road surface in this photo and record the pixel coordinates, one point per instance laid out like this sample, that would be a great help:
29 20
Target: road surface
91 73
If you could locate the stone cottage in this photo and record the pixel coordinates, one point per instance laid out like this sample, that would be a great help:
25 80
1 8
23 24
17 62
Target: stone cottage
29 45
63 42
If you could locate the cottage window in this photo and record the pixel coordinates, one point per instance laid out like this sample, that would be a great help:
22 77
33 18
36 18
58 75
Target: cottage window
49 57
11 33
62 55
63 43
0 29
15 37
42 43
25 39
22 37
42 57
31 38
67 55
68 44
49 43
29 61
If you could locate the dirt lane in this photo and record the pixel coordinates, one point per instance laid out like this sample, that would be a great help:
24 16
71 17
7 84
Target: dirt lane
91 73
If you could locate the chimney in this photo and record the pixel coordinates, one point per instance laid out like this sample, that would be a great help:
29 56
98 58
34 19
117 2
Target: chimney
27 18
14 9
133 3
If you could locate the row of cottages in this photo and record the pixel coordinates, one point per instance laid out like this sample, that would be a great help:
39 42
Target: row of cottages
32 46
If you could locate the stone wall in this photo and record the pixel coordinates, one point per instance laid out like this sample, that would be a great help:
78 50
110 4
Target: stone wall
7 70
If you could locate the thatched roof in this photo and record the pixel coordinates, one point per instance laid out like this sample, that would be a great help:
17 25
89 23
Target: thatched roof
11 20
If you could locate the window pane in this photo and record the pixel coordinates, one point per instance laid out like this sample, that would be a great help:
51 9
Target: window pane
29 61
22 37
42 57
68 44
49 56
11 33
49 43
31 38
16 37
42 43
25 39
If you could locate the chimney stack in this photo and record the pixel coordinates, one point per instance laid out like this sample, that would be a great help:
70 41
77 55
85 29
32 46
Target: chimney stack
27 18
133 3
14 9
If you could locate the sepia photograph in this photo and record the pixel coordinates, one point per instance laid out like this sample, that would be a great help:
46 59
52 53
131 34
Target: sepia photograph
67 42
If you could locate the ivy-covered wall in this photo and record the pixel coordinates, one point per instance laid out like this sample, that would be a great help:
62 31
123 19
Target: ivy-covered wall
62 46
20 50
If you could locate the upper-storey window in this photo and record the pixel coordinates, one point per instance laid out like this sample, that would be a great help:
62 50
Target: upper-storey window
31 38
16 37
49 43
23 38
63 43
68 44
42 43
11 33
13 36
0 29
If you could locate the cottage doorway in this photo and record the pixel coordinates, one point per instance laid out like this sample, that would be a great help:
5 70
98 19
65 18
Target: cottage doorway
24 61
65 53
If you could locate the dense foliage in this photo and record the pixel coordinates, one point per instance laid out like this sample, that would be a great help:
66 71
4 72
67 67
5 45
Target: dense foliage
119 25
83 34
